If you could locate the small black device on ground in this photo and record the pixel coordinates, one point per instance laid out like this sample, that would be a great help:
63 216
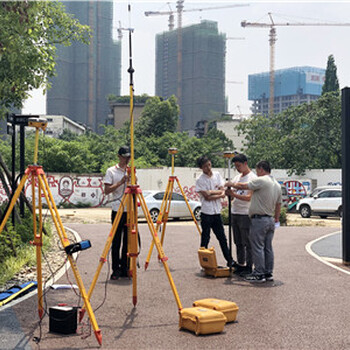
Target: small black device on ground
63 319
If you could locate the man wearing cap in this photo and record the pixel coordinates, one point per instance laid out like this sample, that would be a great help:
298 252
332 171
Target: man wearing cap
115 184
210 187
264 212
239 215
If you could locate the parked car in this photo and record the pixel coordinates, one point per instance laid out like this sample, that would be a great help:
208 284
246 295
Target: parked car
178 206
326 202
321 188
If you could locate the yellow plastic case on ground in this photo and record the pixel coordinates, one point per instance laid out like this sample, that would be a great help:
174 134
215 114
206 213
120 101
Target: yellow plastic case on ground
207 260
201 320
228 308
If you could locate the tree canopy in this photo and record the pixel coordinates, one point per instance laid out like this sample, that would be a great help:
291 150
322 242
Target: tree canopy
331 80
29 31
302 137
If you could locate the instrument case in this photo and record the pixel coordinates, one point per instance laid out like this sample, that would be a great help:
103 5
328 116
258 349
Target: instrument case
228 308
207 260
201 320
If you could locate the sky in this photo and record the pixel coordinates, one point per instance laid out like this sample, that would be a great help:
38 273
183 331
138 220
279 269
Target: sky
247 54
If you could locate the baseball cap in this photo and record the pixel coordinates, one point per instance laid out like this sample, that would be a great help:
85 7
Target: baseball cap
240 158
124 151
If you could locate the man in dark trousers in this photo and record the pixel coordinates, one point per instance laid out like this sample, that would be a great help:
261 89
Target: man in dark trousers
115 184
210 187
264 212
239 215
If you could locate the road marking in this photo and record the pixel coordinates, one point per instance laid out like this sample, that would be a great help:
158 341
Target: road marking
325 260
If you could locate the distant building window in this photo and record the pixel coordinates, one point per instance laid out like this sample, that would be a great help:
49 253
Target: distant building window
49 119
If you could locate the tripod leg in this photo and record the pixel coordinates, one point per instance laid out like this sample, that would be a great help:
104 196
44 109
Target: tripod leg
65 242
105 251
38 244
13 201
132 238
167 210
159 221
188 206
159 247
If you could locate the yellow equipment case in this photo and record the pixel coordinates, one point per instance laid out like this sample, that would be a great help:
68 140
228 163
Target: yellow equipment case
207 260
201 320
228 308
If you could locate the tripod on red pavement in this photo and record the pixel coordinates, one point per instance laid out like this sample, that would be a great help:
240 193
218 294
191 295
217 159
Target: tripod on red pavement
132 196
37 176
163 215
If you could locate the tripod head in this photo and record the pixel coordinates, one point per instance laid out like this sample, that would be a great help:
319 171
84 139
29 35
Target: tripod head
39 123
172 152
229 155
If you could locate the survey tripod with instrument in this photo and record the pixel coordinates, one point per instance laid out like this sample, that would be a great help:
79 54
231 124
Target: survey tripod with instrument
229 155
132 196
164 210
36 175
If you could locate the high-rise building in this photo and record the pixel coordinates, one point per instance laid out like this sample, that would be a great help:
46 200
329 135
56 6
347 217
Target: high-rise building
202 66
293 86
87 74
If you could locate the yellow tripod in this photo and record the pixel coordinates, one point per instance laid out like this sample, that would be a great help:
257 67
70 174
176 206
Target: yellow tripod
37 175
166 203
131 197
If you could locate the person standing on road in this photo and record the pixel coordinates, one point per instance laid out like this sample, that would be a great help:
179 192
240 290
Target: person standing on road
115 183
239 215
264 213
210 187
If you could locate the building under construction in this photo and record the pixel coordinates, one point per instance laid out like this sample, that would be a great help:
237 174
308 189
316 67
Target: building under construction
201 93
293 86
87 74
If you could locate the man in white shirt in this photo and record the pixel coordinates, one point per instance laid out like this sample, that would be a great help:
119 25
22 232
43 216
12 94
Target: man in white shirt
239 215
210 187
115 183
264 212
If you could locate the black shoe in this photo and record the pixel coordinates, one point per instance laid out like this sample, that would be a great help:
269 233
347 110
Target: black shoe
124 273
232 263
115 275
254 278
269 277
245 270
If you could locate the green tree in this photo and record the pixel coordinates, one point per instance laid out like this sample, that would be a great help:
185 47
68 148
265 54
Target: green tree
158 117
300 138
29 31
331 80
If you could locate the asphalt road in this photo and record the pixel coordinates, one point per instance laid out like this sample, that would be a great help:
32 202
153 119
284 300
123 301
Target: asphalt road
306 307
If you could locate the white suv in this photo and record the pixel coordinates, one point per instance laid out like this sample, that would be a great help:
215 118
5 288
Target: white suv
327 202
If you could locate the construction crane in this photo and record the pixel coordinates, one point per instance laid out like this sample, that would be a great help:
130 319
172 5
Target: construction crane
272 41
180 10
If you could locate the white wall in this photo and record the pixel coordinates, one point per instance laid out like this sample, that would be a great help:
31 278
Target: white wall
89 188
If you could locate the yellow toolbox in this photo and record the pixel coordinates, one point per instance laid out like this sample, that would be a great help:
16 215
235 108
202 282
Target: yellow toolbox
201 320
207 260
228 308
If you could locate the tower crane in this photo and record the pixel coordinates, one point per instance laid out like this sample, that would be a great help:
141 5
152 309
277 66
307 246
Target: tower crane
272 41
180 9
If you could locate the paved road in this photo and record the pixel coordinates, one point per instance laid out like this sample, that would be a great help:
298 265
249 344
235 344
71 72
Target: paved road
305 308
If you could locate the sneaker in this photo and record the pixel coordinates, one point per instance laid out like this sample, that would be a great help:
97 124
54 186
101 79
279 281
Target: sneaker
254 278
232 264
246 270
269 277
115 275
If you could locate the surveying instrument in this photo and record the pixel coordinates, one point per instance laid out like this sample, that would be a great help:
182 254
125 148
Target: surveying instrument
37 176
229 155
130 199
163 215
